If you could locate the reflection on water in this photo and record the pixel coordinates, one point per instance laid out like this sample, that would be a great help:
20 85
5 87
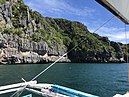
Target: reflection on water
104 80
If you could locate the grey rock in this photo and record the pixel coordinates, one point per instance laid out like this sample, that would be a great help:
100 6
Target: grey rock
3 42
6 14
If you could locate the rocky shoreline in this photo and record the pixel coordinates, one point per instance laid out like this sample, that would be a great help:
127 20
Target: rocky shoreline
12 56
11 53
15 50
29 58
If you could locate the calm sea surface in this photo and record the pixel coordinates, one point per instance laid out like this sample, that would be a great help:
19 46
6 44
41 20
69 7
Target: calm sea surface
104 80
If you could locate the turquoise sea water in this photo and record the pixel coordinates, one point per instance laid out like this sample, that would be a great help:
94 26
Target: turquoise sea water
104 80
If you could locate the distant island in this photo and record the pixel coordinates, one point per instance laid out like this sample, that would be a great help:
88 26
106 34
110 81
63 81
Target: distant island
28 37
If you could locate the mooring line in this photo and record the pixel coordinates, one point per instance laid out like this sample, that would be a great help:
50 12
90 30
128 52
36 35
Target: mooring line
70 50
21 90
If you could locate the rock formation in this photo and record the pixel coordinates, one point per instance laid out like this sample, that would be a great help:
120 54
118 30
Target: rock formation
28 37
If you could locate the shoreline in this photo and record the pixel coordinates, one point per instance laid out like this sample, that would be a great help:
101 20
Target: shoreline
63 63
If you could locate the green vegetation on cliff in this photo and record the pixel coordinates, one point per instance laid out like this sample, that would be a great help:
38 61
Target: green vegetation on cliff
2 1
59 34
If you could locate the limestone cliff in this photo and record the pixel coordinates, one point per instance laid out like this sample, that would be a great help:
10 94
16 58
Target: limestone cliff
27 36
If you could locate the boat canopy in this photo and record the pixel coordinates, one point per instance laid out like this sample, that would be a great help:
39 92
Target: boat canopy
119 8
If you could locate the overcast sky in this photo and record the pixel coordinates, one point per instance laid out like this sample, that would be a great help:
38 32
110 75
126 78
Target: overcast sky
89 12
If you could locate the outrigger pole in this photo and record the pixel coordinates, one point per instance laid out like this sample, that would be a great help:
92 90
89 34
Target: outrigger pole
15 87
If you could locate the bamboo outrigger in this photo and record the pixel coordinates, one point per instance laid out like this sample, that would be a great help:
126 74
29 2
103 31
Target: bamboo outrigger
47 90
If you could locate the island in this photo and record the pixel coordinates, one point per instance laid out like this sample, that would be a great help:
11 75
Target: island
26 36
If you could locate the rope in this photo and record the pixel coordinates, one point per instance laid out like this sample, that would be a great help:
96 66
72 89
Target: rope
103 24
126 44
70 50
126 48
18 75
18 92
48 67
126 52
60 58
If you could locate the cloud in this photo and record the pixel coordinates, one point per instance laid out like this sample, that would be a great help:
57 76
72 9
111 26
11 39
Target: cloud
111 30
34 4
59 7
63 9
113 33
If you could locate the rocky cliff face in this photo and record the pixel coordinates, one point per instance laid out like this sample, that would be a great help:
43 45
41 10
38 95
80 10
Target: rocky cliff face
27 35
